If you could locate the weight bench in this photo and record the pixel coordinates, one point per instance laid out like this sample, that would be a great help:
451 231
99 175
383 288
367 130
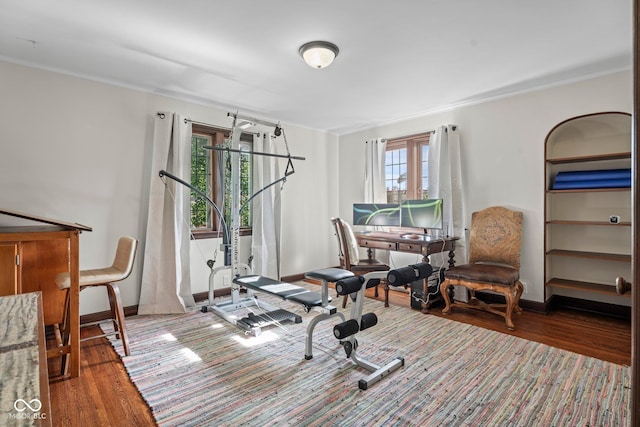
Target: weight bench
294 293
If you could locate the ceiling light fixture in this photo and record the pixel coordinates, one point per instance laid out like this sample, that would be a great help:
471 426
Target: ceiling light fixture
319 54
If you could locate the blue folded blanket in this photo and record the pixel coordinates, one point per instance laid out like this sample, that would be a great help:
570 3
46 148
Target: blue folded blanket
593 175
604 178
592 183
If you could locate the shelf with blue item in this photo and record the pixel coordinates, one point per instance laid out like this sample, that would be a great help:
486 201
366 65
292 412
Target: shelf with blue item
593 179
588 210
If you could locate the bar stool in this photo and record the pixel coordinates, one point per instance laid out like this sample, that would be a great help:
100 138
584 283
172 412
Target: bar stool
107 277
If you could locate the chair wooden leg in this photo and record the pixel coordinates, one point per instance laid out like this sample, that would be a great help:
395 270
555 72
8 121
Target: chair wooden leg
118 312
519 290
386 292
509 297
57 334
65 336
444 291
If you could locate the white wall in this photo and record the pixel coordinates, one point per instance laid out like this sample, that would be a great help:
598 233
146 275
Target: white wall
78 150
502 153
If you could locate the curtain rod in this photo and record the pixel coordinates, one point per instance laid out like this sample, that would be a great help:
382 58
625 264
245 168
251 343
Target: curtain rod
409 136
224 128
453 127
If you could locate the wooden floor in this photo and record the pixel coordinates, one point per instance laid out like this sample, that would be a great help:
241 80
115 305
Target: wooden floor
104 396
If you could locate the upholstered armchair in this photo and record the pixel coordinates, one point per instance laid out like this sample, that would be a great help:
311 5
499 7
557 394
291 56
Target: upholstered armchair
494 263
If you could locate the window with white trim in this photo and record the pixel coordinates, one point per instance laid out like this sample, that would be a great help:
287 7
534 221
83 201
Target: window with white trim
406 162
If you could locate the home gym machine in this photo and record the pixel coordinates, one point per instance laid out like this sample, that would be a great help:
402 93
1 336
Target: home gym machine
271 314
240 272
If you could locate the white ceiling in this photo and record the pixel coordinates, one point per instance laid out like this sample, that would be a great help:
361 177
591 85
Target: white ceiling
398 59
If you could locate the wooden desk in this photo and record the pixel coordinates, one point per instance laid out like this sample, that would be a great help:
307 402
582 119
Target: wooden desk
30 258
23 363
397 242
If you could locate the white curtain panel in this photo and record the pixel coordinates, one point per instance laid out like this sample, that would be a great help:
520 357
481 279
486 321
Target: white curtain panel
166 278
445 182
375 190
266 233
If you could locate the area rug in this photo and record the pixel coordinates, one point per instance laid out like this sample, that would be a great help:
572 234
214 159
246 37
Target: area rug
195 369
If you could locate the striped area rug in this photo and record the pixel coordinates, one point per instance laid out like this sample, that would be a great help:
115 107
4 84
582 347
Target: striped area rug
196 370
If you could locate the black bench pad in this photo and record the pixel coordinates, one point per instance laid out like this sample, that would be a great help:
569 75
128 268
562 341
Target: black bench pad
286 291
329 274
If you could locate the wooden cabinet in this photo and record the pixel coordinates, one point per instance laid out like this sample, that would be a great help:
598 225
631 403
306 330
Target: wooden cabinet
9 262
588 230
31 265
31 255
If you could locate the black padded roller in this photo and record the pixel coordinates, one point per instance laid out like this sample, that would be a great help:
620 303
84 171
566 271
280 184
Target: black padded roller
368 320
423 270
345 329
401 276
349 285
404 275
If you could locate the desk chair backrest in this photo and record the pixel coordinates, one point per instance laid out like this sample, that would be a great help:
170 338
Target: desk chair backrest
347 244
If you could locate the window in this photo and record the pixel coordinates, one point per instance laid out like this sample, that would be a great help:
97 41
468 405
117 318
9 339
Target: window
406 168
211 174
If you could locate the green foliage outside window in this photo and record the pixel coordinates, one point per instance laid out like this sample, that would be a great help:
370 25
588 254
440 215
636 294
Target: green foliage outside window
200 178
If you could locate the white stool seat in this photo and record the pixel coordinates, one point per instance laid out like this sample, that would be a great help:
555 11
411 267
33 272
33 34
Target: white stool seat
96 276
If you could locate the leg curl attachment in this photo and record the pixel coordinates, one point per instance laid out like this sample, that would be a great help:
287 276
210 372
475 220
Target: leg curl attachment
347 330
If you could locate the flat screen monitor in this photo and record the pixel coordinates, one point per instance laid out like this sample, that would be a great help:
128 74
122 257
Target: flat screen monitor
425 214
385 214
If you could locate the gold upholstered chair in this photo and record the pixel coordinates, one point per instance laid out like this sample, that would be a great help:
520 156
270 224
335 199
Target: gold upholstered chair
494 263
350 258
108 277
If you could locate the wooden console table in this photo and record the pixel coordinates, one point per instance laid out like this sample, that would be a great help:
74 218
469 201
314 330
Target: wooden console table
30 258
406 242
23 363
400 243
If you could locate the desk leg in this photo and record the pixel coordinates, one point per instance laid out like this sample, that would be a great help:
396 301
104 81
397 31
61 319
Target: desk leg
425 289
74 306
452 263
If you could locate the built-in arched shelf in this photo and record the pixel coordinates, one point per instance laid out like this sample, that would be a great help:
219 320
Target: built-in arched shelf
588 225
